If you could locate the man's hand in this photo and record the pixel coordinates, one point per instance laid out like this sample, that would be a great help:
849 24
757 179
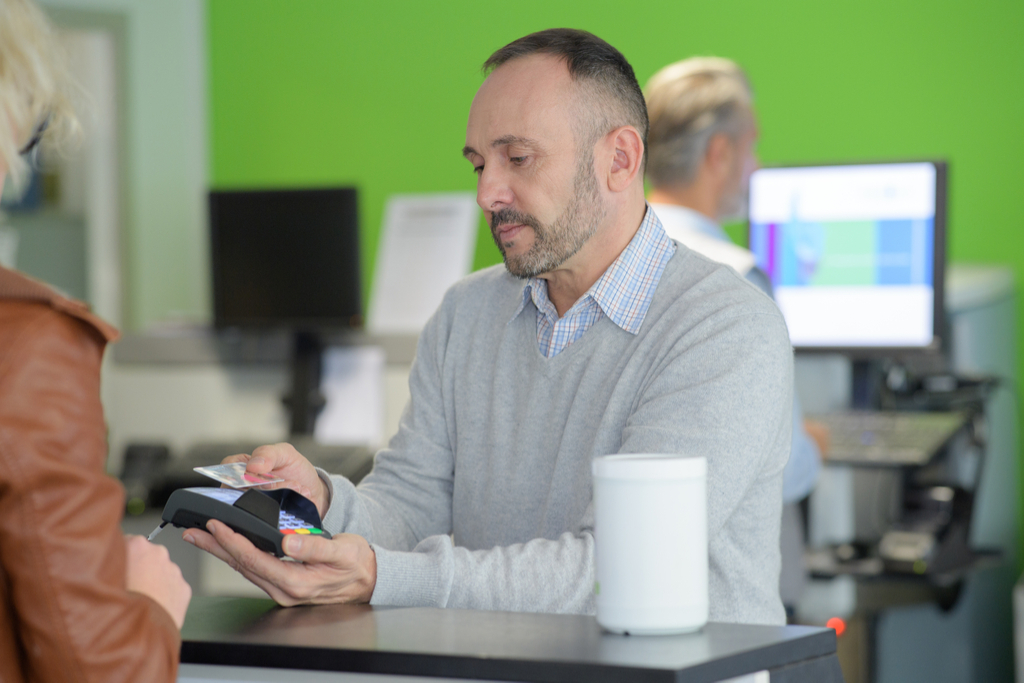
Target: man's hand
339 569
822 437
151 572
282 460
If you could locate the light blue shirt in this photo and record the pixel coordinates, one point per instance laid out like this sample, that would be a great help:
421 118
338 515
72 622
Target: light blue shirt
804 465
623 293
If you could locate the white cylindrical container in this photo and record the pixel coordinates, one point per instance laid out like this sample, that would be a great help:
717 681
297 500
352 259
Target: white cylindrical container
651 542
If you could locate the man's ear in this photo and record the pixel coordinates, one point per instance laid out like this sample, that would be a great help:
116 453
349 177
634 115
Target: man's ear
718 160
627 149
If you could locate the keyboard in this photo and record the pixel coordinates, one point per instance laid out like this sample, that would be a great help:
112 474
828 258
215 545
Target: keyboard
889 438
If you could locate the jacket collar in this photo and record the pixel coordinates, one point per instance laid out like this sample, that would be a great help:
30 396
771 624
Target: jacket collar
15 285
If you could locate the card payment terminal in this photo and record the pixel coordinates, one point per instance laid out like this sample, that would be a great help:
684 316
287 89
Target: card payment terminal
263 517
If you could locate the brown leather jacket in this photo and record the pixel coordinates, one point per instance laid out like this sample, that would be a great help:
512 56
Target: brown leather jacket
65 614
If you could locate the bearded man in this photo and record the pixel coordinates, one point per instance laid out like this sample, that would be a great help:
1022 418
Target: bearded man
599 335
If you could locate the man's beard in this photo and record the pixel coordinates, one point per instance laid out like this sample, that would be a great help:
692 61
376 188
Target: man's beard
555 244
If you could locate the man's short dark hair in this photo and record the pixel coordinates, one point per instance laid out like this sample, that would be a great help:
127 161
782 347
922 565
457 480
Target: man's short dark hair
611 94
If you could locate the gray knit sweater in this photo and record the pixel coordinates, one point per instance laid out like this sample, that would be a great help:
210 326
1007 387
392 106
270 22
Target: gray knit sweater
483 498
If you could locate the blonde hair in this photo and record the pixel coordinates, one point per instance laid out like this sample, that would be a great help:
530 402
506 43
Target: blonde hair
34 84
689 102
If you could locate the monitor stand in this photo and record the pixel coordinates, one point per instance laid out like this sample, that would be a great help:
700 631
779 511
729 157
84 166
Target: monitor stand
867 380
305 401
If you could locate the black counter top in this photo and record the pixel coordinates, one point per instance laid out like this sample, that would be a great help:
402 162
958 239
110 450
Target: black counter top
489 645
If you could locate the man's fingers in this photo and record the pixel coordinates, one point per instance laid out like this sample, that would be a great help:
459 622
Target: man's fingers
205 541
259 465
245 556
272 457
235 545
247 567
312 549
348 561
284 582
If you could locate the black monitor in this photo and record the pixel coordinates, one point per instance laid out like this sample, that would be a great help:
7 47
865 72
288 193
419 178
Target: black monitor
285 258
288 259
855 253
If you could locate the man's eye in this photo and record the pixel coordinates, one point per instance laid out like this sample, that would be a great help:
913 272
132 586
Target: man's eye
478 169
518 161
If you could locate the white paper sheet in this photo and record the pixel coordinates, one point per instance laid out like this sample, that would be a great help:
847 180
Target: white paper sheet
426 245
352 381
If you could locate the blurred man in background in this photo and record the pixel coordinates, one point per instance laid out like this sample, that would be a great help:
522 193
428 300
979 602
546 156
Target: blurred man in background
700 157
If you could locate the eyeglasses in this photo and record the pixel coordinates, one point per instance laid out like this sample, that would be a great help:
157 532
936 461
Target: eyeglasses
37 135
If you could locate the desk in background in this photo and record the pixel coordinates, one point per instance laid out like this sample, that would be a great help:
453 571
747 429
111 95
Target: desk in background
299 644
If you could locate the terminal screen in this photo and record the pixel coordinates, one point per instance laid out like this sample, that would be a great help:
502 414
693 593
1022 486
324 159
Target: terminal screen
850 251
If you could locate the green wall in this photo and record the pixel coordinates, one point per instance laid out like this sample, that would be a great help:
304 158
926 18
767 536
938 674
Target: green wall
377 93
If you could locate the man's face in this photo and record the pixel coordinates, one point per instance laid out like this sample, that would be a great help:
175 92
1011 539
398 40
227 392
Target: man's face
733 206
539 193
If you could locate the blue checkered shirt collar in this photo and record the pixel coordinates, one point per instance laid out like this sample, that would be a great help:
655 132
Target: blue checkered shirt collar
623 293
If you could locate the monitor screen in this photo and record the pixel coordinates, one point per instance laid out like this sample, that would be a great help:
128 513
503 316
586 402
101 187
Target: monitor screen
855 253
285 258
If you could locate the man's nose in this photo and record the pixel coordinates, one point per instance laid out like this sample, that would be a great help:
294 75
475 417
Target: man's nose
493 190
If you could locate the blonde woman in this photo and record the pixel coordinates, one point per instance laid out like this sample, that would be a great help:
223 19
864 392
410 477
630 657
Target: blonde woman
78 600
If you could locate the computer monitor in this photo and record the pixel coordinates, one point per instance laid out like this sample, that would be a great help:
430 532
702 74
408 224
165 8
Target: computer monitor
855 253
288 259
285 258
